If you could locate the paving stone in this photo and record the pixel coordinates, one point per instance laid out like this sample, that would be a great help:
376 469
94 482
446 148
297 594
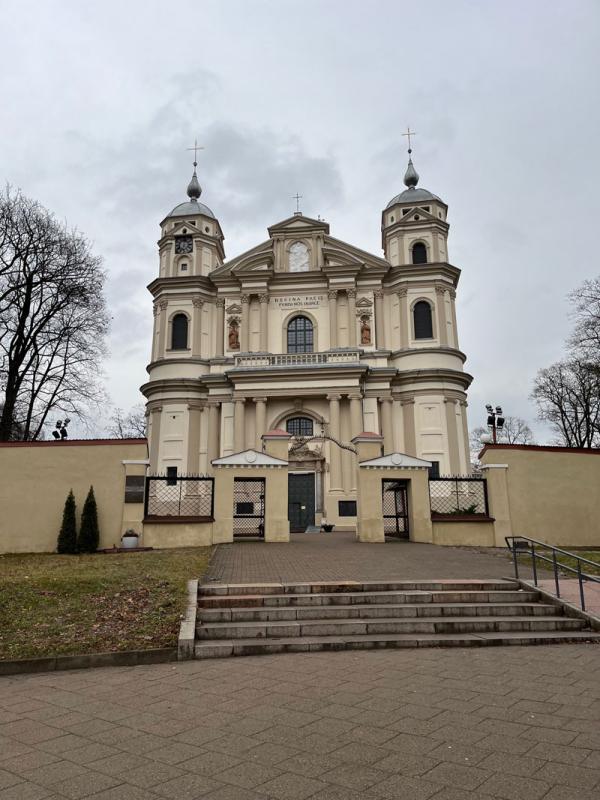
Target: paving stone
186 787
210 762
93 751
84 785
26 791
289 786
515 765
576 776
561 753
152 774
569 793
457 775
53 773
357 778
119 764
511 787
8 779
401 786
28 761
311 765
234 793
356 753
407 764
248 775
458 754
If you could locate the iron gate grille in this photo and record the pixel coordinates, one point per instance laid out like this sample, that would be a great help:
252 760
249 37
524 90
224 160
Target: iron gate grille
249 507
458 496
395 508
179 497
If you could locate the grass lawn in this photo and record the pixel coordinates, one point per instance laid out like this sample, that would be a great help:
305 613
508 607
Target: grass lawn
591 555
55 605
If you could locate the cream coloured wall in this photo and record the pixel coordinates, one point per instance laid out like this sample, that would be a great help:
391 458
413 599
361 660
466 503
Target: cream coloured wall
551 493
37 476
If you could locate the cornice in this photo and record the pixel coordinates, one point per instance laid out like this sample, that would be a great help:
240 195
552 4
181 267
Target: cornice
193 386
161 362
433 376
188 283
422 272
411 351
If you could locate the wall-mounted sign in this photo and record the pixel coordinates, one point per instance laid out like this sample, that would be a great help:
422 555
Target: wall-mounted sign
299 301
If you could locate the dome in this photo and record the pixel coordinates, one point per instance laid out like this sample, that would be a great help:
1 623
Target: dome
190 208
413 195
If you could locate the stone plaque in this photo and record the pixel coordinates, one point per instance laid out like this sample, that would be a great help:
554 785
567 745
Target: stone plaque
299 301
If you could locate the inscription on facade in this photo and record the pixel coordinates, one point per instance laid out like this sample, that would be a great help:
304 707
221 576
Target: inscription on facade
298 301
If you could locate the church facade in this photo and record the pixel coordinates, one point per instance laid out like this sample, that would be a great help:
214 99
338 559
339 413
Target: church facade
311 335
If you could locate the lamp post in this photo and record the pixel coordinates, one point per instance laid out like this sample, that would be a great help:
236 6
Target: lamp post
495 421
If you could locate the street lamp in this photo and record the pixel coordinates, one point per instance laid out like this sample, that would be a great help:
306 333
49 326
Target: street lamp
495 421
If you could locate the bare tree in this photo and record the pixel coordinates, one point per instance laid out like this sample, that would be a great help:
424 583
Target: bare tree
586 336
128 426
567 395
53 320
516 431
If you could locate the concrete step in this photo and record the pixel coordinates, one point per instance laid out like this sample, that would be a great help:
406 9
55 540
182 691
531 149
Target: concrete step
281 614
248 647
313 587
399 625
375 597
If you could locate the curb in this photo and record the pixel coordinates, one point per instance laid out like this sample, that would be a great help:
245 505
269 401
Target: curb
126 658
569 609
187 629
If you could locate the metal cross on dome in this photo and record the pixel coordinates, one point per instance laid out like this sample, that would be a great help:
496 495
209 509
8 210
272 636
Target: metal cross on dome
195 148
297 197
409 133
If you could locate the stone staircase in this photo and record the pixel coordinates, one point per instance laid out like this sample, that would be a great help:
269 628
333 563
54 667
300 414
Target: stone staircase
254 619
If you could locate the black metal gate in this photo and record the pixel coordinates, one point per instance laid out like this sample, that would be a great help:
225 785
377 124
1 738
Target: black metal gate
395 508
249 507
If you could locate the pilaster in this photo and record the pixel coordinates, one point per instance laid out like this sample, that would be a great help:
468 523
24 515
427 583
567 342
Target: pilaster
245 332
351 317
335 461
220 328
379 321
333 320
264 322
198 304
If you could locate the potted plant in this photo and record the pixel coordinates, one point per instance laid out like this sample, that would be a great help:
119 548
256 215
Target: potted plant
129 540
326 526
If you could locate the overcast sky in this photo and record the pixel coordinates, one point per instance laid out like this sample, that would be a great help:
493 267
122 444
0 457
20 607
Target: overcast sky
100 100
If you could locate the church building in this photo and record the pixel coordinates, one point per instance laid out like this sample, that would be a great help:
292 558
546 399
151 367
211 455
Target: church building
311 335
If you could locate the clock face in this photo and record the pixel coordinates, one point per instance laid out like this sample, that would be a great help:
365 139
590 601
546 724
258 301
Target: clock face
183 244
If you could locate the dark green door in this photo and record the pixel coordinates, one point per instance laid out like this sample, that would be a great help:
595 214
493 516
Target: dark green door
301 501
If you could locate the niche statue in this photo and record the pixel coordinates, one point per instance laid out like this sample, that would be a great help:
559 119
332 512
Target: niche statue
365 331
234 335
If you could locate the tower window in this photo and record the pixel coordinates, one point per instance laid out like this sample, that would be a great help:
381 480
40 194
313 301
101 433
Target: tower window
300 335
184 267
179 335
423 320
299 426
419 253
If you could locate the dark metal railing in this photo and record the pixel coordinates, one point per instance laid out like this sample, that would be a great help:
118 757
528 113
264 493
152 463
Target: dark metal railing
177 497
522 545
458 495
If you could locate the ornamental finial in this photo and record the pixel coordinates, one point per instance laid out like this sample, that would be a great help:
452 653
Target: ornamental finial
194 190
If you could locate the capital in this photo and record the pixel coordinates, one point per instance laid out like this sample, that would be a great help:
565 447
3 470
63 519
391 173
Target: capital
245 298
197 301
259 399
439 290
385 399
332 294
163 303
334 397
378 294
220 302
402 292
351 292
263 298
452 293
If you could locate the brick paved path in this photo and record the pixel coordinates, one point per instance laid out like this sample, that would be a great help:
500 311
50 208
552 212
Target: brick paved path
518 723
338 556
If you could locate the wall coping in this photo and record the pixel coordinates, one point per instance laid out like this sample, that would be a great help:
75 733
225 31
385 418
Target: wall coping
493 466
543 448
462 518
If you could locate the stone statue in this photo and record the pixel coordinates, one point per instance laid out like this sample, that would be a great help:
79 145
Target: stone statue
234 335
365 331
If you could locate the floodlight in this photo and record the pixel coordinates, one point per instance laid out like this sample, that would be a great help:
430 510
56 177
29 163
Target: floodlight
490 420
59 423
56 434
489 408
499 422
498 411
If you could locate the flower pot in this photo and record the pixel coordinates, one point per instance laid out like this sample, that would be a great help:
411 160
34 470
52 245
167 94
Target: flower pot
129 542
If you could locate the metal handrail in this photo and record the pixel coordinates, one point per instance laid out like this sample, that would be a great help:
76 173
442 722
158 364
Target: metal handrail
523 544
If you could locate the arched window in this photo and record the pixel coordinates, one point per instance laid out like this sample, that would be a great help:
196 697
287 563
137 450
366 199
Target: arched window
299 426
300 335
423 321
299 257
179 335
419 253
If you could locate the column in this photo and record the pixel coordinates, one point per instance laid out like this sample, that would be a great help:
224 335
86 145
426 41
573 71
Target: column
356 421
333 321
220 304
440 301
198 303
245 342
162 330
193 453
214 424
408 413
453 454
387 430
155 331
379 327
238 425
453 307
352 319
465 436
260 404
264 322
403 309
335 465
398 425
156 412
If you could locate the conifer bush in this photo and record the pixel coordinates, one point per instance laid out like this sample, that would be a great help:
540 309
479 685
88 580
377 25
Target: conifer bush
67 538
89 534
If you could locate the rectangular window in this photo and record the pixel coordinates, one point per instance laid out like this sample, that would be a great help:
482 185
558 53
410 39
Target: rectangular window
171 476
184 267
347 508
434 470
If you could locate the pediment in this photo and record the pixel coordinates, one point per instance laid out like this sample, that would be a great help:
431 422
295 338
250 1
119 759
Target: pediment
234 309
336 256
364 302
249 458
258 259
298 223
396 461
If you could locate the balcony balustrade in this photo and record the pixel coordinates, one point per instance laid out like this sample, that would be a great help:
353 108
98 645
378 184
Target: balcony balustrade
297 359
